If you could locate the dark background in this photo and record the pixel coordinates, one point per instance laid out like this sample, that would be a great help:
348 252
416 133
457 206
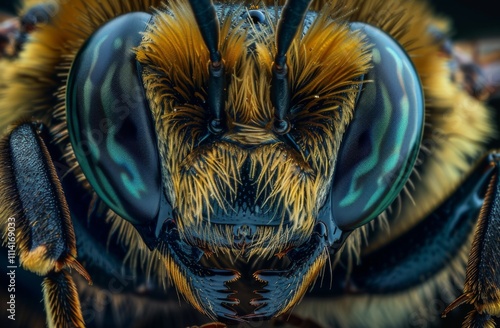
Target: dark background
8 5
472 19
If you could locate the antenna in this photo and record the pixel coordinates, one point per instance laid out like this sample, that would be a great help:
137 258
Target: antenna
206 18
291 18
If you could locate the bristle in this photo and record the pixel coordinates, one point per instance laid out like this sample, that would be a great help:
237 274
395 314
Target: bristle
139 256
481 285
61 301
183 284
478 320
81 270
307 280
9 201
475 257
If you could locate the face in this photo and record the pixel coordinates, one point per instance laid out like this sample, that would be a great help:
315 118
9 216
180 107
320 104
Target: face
249 212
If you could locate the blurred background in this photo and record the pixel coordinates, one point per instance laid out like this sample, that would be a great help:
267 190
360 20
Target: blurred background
476 45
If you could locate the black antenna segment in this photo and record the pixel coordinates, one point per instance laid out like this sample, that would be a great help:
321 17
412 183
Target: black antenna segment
208 23
291 18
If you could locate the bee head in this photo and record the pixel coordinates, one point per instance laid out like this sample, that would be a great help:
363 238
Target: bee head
231 168
248 156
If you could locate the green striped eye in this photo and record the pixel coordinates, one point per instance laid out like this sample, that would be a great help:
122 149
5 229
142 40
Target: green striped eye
381 144
110 123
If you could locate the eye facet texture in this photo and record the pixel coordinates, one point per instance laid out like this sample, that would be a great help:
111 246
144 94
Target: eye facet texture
110 123
380 145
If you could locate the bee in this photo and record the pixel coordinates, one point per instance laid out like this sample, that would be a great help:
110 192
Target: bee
238 155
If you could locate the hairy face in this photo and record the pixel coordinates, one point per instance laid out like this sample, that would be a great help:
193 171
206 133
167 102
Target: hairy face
249 194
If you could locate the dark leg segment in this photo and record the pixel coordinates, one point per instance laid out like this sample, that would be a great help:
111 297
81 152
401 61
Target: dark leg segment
61 300
46 240
482 280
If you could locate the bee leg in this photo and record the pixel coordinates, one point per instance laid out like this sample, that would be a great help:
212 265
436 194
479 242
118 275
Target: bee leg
34 200
482 279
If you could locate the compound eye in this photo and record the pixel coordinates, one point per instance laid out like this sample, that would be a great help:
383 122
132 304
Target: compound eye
381 144
110 123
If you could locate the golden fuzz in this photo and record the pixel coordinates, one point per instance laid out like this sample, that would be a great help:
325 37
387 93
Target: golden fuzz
61 296
324 65
308 279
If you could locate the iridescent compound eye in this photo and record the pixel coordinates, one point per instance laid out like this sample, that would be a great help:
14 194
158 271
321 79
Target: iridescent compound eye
110 123
381 144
